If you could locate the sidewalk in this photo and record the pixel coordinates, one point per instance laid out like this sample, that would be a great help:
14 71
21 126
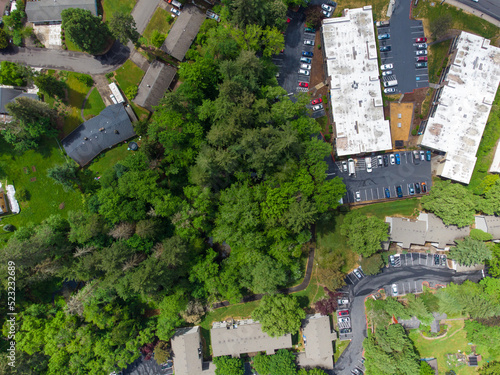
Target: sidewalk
475 12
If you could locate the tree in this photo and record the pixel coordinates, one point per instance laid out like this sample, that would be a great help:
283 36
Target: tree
85 30
169 318
64 174
283 363
131 92
4 39
261 363
279 314
15 19
491 368
226 365
441 25
490 205
364 234
50 85
426 369
123 27
161 352
264 276
469 252
13 74
372 265
453 203
157 38
478 234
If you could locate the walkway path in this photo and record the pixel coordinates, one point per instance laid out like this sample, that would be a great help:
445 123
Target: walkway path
102 85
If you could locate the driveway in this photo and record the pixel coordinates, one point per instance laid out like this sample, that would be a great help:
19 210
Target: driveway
413 277
142 13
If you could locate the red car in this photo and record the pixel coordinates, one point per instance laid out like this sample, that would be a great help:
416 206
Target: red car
421 40
288 20
303 84
343 312
317 101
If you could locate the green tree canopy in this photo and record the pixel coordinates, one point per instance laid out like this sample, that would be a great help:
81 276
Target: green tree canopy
50 85
123 27
491 368
279 314
64 174
283 363
364 234
372 265
85 30
470 251
4 39
13 74
226 365
490 205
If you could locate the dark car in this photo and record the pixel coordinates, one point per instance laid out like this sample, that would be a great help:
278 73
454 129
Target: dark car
307 54
420 65
343 312
428 155
424 187
310 30
346 330
417 187
385 48
399 191
386 161
436 259
398 159
416 158
387 193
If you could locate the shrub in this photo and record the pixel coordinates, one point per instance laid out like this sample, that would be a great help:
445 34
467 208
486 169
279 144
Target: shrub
9 228
110 75
479 235
157 39
131 92
85 79
23 195
414 131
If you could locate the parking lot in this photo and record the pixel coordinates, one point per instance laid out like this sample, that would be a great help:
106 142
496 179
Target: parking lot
371 185
418 259
402 55
343 324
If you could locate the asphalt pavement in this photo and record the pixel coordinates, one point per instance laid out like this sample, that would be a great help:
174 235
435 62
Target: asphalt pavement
482 7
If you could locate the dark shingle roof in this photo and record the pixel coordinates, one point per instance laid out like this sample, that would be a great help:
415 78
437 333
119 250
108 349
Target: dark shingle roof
8 95
156 81
50 10
107 129
183 32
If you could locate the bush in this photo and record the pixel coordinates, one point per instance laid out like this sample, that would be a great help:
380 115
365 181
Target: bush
131 92
372 265
85 79
479 235
110 75
9 228
414 131
157 39
23 195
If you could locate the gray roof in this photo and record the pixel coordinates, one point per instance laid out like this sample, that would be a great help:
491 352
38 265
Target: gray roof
107 129
155 82
8 95
489 224
427 228
50 10
318 337
186 346
245 337
183 32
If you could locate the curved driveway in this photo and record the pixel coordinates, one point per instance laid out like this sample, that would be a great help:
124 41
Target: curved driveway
352 355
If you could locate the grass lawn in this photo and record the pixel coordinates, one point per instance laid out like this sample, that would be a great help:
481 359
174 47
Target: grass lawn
46 195
312 293
454 340
109 158
437 56
128 75
404 207
159 22
141 113
121 6
340 346
94 105
379 7
71 46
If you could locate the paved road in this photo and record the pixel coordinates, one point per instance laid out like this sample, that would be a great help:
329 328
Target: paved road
351 357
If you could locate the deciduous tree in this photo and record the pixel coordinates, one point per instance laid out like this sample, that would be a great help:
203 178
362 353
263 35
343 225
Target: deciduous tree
50 85
372 265
279 314
87 31
470 251
364 234
226 365
123 27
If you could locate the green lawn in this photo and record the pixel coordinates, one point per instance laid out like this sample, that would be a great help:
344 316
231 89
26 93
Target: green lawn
437 57
71 46
340 346
121 6
379 7
128 75
46 196
451 343
159 22
94 104
109 158
405 207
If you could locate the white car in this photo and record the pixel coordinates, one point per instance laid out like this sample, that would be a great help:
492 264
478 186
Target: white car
386 73
344 320
392 159
358 196
326 7
368 162
308 42
317 107
386 66
175 12
326 13
305 66
304 72
421 52
380 160
389 90
394 290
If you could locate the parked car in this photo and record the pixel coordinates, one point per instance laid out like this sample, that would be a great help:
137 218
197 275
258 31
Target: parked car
399 191
421 65
392 261
368 162
317 101
422 155
357 273
326 7
304 72
380 160
394 290
386 73
307 54
424 187
305 66
436 259
421 40
343 312
416 157
342 301
308 42
344 320
386 161
393 159
443 260
422 58
422 46
411 190
356 371
346 330
417 188
358 196
305 60
428 155
384 36
326 13
175 12
389 90
344 165
398 159
387 193
386 66
317 107
309 30
420 53
303 84
385 48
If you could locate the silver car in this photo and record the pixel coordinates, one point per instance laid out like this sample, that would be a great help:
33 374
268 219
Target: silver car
304 72
317 107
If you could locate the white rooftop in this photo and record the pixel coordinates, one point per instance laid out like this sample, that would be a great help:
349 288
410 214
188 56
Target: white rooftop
464 105
356 98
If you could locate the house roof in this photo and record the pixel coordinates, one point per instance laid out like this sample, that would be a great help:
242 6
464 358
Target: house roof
245 337
186 344
489 224
50 10
8 95
110 127
318 338
155 82
427 228
183 32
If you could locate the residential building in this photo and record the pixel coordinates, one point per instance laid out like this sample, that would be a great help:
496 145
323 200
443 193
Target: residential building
461 107
489 224
351 60
318 336
49 11
187 353
154 84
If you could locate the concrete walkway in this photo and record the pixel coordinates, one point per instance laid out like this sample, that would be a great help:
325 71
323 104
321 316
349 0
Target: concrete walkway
101 83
